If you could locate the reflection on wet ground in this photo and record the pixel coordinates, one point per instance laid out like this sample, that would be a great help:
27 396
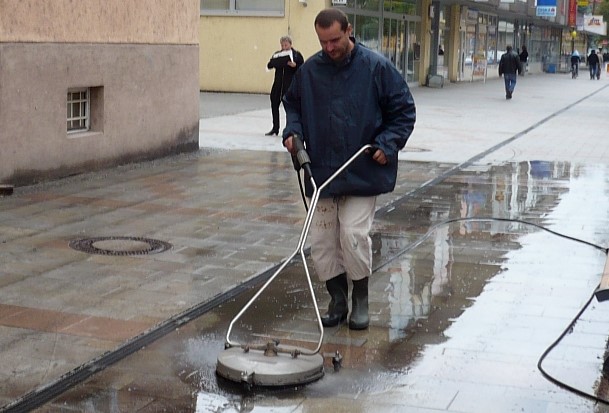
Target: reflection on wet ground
475 277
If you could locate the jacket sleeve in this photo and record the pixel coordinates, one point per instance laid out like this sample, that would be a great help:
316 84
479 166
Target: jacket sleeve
270 64
298 59
398 112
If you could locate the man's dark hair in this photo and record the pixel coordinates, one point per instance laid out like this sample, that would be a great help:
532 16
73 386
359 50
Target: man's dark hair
508 48
327 17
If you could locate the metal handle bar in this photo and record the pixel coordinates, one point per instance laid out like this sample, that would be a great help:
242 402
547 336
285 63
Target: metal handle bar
300 248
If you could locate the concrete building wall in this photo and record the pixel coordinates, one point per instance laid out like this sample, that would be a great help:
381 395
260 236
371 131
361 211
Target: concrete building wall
236 49
140 60
100 21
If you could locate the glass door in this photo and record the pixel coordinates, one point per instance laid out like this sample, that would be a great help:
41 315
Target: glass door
413 54
393 42
401 47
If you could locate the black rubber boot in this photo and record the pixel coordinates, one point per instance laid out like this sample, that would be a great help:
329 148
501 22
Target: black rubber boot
338 308
359 318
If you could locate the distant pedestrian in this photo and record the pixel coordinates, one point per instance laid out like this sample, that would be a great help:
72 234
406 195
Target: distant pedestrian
509 68
285 62
601 62
593 65
575 59
524 59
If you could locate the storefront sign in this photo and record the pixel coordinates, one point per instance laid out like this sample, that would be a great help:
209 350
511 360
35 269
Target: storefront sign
546 11
546 8
572 17
472 15
595 24
339 2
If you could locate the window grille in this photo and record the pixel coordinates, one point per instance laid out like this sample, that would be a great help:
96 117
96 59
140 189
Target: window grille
78 110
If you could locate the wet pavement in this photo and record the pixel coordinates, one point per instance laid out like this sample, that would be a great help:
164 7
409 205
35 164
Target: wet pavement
492 243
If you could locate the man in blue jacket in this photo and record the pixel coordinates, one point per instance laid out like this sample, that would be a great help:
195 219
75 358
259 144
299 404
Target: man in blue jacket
342 98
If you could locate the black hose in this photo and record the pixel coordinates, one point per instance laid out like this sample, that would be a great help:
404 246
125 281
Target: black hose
553 345
302 193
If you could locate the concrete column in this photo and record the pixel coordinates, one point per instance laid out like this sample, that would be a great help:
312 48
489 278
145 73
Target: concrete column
455 40
425 42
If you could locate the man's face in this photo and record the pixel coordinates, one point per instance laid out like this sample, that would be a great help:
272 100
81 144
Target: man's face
334 42
285 45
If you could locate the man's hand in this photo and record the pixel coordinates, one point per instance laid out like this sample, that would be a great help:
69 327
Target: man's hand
379 156
291 64
289 144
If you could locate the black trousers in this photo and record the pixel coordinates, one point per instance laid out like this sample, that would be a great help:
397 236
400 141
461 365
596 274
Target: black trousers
275 102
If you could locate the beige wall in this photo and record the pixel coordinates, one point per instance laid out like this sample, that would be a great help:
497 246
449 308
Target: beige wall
235 50
142 63
100 21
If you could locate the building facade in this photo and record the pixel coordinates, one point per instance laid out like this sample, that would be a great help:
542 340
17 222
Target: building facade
450 40
87 85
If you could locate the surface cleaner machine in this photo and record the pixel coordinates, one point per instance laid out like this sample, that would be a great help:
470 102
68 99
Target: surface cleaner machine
273 364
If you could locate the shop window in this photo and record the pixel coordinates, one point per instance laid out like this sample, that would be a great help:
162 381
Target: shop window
367 31
401 6
242 7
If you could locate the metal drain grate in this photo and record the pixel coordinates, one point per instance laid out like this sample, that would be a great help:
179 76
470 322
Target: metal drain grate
120 245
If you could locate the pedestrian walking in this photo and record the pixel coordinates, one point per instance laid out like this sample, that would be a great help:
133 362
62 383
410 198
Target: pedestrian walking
509 68
593 65
344 97
601 62
524 59
285 62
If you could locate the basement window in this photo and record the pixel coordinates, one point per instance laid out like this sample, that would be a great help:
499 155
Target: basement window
78 110
85 110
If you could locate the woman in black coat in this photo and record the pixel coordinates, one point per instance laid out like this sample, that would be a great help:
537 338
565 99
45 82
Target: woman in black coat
285 62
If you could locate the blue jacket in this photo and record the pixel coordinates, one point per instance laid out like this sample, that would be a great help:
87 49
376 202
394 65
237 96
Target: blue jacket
337 109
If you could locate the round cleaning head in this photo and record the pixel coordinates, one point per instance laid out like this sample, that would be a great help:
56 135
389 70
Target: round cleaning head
269 368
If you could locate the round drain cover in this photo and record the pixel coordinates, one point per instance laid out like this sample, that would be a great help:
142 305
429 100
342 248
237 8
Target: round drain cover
120 245
6 190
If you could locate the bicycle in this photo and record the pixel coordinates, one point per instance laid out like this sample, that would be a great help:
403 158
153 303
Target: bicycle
574 70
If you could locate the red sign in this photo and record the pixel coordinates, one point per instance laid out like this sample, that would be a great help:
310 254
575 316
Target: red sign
572 20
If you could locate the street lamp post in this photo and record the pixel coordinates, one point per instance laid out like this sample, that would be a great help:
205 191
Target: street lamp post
573 36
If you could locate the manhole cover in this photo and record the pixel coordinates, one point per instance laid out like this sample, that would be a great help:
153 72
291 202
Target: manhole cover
120 245
6 190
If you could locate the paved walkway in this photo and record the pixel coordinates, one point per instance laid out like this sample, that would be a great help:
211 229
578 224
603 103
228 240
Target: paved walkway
230 213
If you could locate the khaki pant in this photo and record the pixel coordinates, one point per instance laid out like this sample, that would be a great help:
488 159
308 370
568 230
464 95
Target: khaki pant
340 240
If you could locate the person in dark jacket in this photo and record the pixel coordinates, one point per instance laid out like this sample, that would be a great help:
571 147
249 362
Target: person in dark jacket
524 58
342 98
593 65
285 62
509 67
